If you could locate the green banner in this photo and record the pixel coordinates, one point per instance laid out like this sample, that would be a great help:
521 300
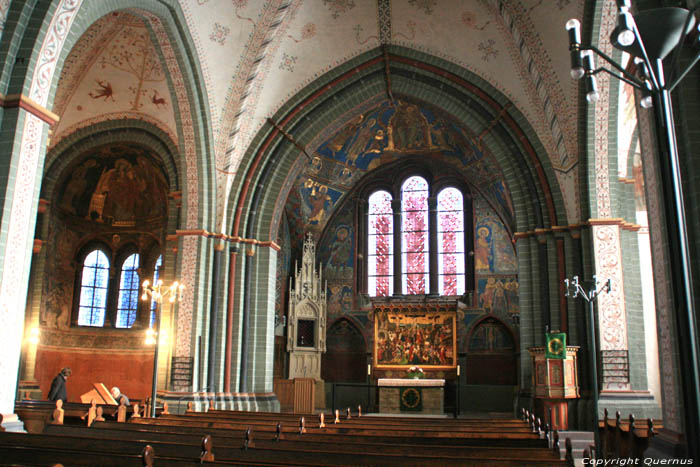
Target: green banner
555 345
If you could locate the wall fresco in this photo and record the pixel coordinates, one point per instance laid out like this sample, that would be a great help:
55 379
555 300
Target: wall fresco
498 294
380 136
490 336
336 254
118 184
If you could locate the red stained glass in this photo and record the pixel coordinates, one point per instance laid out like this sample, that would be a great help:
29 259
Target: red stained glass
414 236
415 252
381 245
451 270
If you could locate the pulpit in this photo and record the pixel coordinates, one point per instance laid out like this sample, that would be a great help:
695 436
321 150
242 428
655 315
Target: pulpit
416 396
554 381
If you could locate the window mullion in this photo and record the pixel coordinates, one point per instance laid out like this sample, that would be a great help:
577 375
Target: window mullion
432 238
398 246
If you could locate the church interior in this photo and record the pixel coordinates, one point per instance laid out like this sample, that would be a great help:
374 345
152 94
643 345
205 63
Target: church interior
348 192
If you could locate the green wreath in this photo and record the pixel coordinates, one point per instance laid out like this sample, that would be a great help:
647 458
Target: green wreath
410 398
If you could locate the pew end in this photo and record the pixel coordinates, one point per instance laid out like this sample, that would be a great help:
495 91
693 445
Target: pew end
207 454
148 456
248 442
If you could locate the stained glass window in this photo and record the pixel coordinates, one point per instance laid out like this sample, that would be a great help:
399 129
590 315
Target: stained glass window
93 289
450 230
128 292
414 236
156 276
380 251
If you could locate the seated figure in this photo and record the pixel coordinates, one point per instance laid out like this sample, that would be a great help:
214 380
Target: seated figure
119 397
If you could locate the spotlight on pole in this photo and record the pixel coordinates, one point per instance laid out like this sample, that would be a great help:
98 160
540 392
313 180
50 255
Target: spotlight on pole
623 34
574 28
650 36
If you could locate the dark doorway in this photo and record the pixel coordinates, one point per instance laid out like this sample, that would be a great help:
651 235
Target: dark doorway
491 354
345 357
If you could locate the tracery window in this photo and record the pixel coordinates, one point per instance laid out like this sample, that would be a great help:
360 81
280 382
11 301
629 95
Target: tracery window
433 237
380 245
450 230
128 292
414 236
93 289
112 299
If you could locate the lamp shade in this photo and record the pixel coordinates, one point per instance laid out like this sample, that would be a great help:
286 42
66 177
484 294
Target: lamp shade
660 30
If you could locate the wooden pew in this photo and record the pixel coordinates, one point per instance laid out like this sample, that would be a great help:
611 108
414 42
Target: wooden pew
289 431
625 438
199 452
354 441
365 420
368 432
339 453
376 423
224 444
37 414
28 449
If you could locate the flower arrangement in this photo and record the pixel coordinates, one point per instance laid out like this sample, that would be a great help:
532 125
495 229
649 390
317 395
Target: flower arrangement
415 372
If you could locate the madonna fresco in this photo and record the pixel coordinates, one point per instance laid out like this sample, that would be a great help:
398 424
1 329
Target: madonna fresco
116 186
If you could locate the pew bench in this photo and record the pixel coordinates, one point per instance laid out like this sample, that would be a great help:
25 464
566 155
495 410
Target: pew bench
227 447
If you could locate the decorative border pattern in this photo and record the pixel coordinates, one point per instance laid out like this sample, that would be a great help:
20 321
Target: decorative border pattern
188 266
612 319
23 190
670 384
384 18
109 117
535 71
602 113
228 152
4 9
203 64
244 94
51 49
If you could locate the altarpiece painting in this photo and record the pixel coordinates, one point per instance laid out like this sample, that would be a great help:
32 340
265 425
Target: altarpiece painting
406 338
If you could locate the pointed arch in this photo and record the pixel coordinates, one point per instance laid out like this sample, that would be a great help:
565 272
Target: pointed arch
345 359
491 350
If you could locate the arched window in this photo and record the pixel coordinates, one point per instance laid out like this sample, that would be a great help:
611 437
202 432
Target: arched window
433 236
414 236
450 230
128 292
93 289
380 247
156 276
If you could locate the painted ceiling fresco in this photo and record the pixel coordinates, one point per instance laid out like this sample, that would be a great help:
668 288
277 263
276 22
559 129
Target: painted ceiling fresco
254 55
380 136
114 72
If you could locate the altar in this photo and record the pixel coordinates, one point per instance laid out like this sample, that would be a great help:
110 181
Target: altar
411 396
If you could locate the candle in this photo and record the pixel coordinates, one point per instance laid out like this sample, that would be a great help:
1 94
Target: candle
457 370
369 369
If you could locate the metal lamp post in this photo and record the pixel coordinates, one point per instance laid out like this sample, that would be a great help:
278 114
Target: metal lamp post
650 36
158 294
575 290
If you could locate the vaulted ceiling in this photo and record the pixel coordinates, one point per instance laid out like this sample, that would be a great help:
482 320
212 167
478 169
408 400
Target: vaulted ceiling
255 55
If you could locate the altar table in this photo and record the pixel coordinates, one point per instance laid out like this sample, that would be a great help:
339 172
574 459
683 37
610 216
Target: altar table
417 396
